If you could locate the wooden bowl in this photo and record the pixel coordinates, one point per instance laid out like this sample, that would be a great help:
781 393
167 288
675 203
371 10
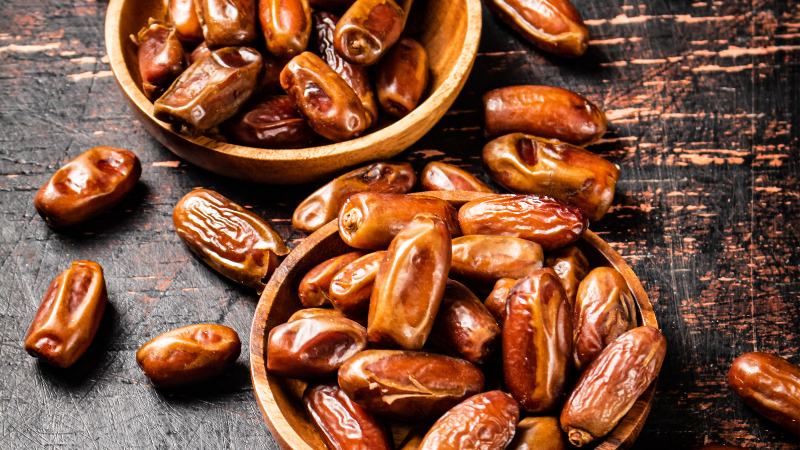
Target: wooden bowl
448 29
280 399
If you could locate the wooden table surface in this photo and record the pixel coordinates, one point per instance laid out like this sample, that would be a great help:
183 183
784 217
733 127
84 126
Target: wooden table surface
702 99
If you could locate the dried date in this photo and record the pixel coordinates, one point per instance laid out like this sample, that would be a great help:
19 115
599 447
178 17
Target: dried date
438 176
367 30
286 25
497 299
402 77
482 260
269 122
314 287
227 22
538 433
161 58
351 288
571 266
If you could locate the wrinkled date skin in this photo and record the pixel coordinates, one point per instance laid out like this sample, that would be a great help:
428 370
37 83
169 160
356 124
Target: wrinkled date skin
497 299
549 222
314 287
308 313
538 433
313 347
543 111
235 242
402 77
770 385
604 309
211 90
554 26
408 385
370 220
286 25
537 342
367 30
438 176
482 260
356 76
609 387
227 22
526 164
351 288
189 354
161 58
323 205
485 421
270 122
183 14
326 101
571 266
343 424
87 186
464 326
410 284
69 315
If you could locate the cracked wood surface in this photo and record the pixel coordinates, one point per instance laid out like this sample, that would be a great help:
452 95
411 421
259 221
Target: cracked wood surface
702 100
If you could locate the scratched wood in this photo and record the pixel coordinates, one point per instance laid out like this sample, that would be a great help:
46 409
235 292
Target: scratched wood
702 100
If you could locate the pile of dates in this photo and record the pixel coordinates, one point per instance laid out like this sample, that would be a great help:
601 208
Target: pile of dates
277 74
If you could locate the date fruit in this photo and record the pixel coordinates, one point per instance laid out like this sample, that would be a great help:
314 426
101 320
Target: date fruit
351 288
314 287
367 30
87 186
69 315
482 260
199 52
414 438
161 58
438 176
189 354
227 22
571 266
408 385
286 25
538 433
402 77
310 313
497 299
270 122
609 387
235 242
183 14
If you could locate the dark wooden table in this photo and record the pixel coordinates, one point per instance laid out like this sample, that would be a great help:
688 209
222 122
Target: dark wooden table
703 105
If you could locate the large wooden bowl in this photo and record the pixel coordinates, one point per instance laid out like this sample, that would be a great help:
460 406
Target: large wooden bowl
280 399
448 29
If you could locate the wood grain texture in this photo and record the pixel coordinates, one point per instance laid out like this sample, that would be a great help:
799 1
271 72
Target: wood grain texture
702 99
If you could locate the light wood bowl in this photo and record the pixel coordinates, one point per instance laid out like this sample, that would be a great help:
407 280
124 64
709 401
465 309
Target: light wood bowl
448 29
280 399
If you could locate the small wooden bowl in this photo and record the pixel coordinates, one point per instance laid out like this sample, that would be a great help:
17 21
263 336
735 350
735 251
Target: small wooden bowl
280 399
448 29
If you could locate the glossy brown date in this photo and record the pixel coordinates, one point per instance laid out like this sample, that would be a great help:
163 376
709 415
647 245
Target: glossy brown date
609 387
183 14
189 354
770 385
343 424
351 288
408 385
538 433
402 77
367 30
69 315
314 287
438 176
410 284
270 122
485 421
235 242
87 186
571 266
161 58
552 25
537 342
227 22
313 347
286 25
211 90
497 299
323 98
370 220
526 164
482 260
323 205
549 222
310 313
199 52
604 309
543 111
464 326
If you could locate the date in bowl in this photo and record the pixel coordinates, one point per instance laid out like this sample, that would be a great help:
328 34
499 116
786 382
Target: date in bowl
280 399
448 29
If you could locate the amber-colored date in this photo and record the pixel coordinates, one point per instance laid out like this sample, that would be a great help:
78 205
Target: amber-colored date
537 342
87 186
270 122
343 424
497 299
227 22
408 385
571 266
199 52
482 260
323 205
235 242
351 288
770 385
370 220
485 421
543 111
604 309
211 90
611 384
315 285
326 101
69 315
538 433
552 25
402 77
549 222
286 25
310 313
438 176
183 14
161 58
189 354
367 30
